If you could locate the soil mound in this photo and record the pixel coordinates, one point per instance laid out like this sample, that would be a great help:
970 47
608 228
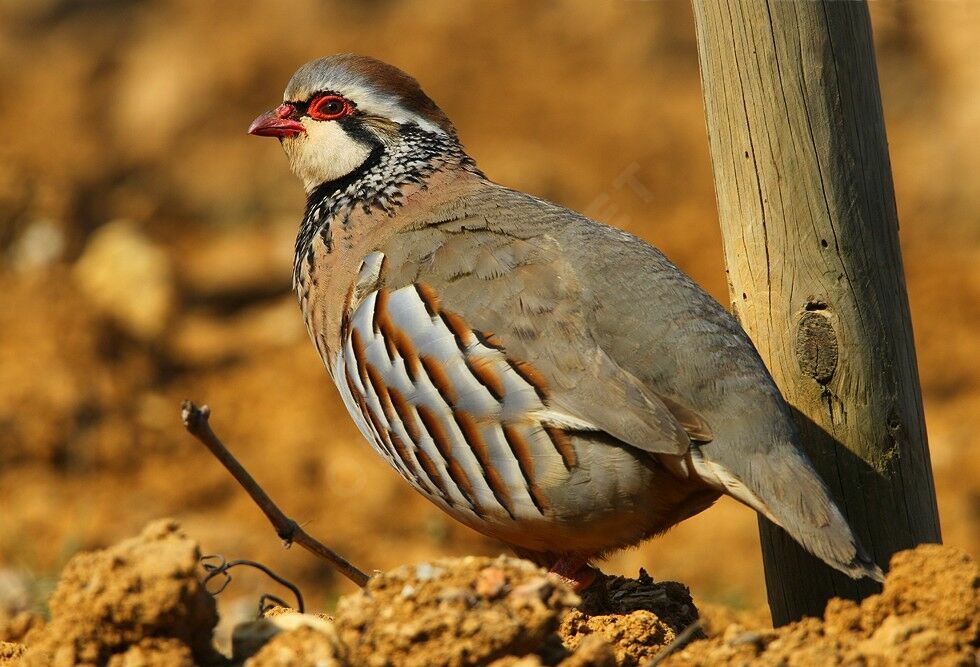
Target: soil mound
140 603
927 614
463 612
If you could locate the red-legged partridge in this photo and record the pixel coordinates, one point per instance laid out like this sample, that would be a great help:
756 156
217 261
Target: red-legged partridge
545 379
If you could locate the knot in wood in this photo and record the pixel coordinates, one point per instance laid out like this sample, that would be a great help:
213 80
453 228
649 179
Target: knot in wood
816 346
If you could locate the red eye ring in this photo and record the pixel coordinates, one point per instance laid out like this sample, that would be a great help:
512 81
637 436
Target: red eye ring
329 107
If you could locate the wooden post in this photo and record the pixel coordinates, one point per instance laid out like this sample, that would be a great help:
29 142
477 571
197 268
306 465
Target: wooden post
807 211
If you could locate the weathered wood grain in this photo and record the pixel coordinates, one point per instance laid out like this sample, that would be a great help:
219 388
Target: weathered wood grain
807 211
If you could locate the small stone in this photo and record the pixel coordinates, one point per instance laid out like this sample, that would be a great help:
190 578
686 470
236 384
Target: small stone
490 582
41 244
129 278
302 646
247 639
427 571
750 637
456 595
535 591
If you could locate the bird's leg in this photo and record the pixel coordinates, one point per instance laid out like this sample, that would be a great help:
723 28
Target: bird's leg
574 571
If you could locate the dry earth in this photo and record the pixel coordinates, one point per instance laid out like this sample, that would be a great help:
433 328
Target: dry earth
142 603
145 250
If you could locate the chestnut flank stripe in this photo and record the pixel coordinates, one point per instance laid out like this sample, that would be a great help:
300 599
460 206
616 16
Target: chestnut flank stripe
445 447
406 350
369 417
405 413
440 380
530 375
432 473
482 369
462 333
380 308
522 452
429 298
357 347
471 433
381 389
406 458
383 324
563 444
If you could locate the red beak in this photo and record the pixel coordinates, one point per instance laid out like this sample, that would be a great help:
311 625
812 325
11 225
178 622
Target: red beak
277 123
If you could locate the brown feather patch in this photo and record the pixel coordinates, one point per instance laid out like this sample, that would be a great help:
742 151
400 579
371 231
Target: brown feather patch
522 452
445 447
429 298
531 375
389 79
461 332
439 378
406 458
471 433
484 372
694 424
345 315
563 444
487 339
405 413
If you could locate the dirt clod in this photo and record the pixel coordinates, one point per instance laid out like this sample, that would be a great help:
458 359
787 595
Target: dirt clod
10 652
927 614
140 604
441 613
637 617
298 648
248 639
136 603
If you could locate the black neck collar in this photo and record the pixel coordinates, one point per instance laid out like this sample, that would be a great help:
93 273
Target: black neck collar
329 189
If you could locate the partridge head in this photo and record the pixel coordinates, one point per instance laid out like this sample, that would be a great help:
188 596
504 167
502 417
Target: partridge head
339 113
545 379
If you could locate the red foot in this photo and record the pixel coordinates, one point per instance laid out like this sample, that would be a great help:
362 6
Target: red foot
576 572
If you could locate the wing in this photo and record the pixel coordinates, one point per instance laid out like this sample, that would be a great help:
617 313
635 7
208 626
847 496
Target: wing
506 285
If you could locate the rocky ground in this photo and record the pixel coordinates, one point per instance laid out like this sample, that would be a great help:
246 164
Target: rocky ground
141 603
145 252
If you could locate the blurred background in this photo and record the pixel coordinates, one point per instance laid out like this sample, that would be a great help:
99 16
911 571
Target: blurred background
146 248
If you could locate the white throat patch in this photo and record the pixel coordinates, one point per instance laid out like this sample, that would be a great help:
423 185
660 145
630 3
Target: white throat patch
325 153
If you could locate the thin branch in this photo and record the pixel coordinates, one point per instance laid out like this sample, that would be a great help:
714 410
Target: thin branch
196 422
221 567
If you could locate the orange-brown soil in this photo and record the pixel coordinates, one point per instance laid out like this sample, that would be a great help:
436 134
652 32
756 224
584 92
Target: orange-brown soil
146 243
141 602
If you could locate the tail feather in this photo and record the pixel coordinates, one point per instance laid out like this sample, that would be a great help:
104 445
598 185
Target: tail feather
781 485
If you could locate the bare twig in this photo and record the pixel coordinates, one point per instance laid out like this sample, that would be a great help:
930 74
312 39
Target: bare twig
196 422
216 565
679 641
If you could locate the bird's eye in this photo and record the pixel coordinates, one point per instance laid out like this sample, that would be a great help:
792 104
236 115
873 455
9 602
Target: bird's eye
329 107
